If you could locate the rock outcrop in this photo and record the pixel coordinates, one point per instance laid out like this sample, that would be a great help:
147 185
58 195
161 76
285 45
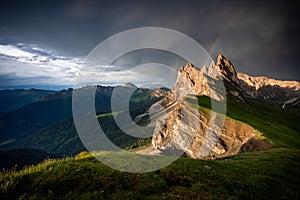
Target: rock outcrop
190 80
184 127
226 69
197 132
200 133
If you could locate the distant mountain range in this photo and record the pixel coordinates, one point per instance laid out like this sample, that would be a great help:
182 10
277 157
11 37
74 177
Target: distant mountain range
50 119
261 88
14 99
262 113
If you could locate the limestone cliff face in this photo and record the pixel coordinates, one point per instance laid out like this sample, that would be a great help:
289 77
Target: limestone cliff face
226 69
205 134
201 134
190 80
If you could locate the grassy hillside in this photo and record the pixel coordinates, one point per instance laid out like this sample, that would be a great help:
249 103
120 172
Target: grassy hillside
277 124
261 175
66 142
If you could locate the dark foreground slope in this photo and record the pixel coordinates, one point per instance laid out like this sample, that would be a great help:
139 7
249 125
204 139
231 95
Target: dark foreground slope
260 175
18 158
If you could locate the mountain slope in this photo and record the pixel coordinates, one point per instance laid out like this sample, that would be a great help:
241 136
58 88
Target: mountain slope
14 99
200 139
46 111
271 90
278 125
200 133
53 116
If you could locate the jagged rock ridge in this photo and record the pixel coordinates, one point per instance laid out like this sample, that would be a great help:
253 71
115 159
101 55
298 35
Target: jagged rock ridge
200 133
271 90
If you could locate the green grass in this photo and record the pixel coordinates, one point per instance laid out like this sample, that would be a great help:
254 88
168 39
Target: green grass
111 114
277 124
261 175
138 144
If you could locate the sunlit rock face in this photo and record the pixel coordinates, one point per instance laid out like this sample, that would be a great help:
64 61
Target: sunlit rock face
204 134
274 91
197 132
261 81
200 133
191 80
226 69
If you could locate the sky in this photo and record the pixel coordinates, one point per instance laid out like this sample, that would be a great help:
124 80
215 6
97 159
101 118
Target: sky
44 43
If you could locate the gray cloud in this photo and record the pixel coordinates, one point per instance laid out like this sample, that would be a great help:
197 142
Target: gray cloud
261 38
23 64
144 56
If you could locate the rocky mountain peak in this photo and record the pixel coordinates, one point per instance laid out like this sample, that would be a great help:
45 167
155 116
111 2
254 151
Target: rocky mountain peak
186 127
189 70
226 69
130 85
191 80
187 78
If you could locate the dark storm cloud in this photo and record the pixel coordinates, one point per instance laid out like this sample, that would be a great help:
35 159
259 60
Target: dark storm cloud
144 56
260 37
